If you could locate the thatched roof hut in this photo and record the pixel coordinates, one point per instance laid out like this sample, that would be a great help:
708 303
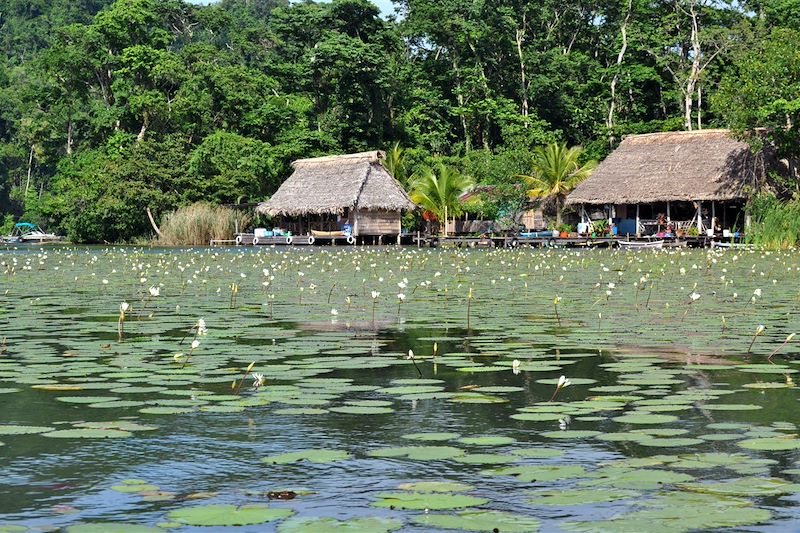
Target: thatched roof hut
334 184
706 165
356 189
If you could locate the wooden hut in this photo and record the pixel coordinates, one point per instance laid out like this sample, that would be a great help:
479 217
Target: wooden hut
680 180
352 191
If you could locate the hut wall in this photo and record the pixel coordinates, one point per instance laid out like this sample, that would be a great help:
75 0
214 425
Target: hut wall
377 222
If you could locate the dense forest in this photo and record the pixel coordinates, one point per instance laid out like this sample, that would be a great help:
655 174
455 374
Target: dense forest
107 108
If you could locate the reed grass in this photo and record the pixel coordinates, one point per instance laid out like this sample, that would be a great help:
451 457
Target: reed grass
199 223
775 223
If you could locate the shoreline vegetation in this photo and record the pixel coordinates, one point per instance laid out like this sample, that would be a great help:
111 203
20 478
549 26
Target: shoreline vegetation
109 108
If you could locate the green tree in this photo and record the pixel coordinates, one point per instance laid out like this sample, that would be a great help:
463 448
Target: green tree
438 190
555 171
762 90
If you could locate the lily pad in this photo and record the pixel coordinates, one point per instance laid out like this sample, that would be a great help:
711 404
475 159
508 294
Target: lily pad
87 433
228 515
420 453
23 430
580 496
431 437
311 456
789 442
488 521
487 441
436 486
331 525
433 501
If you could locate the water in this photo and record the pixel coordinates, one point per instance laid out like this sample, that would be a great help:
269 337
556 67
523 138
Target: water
625 329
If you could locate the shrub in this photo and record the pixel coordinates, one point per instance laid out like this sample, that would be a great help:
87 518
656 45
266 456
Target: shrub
199 223
775 223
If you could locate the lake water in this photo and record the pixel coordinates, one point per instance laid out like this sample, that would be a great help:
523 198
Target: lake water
674 418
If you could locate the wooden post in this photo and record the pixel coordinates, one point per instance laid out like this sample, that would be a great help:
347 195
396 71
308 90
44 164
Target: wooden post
418 241
638 231
669 218
699 220
713 216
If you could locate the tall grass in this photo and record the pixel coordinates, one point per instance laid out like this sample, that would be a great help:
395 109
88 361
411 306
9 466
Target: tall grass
775 223
199 223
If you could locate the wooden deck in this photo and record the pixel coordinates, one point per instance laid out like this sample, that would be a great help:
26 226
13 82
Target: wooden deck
490 241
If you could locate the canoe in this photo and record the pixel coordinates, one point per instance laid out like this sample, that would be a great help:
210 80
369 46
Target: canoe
641 245
327 234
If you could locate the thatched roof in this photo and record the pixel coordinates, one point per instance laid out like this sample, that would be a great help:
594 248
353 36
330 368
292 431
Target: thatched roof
672 166
334 183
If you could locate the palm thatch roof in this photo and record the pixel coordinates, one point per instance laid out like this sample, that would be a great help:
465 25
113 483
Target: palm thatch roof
334 183
672 166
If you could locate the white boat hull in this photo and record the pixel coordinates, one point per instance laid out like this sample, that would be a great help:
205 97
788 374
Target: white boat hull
641 245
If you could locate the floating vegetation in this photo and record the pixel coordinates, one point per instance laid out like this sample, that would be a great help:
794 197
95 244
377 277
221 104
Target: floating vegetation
228 515
230 373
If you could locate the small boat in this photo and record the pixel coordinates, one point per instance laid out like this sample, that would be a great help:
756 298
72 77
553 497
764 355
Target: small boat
716 244
641 245
27 233
327 234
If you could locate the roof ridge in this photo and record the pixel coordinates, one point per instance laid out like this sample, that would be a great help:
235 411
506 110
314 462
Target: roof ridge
363 185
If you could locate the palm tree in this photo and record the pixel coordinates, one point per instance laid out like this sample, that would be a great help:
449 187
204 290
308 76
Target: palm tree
555 172
395 163
438 190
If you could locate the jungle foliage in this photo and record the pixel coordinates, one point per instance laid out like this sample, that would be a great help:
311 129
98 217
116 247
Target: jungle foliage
109 107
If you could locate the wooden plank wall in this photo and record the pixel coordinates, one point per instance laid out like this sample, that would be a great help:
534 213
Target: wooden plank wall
378 222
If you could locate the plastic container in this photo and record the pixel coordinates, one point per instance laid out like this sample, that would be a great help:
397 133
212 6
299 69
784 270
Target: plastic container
261 233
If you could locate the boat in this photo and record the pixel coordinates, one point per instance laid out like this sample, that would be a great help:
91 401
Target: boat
27 233
641 245
327 234
718 244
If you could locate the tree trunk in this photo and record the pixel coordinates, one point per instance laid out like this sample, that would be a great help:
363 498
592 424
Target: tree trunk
699 106
70 140
145 124
519 38
461 102
30 171
694 72
624 31
558 213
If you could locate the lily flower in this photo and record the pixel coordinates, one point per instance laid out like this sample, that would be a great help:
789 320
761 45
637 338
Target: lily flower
258 380
201 327
155 291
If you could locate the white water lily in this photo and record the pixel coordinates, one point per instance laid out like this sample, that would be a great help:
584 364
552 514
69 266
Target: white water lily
410 354
334 312
123 307
563 382
375 295
195 344
201 327
757 293
258 380
155 291
760 329
694 296
401 296
515 366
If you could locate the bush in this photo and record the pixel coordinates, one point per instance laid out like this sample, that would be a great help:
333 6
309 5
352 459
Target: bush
775 223
199 223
